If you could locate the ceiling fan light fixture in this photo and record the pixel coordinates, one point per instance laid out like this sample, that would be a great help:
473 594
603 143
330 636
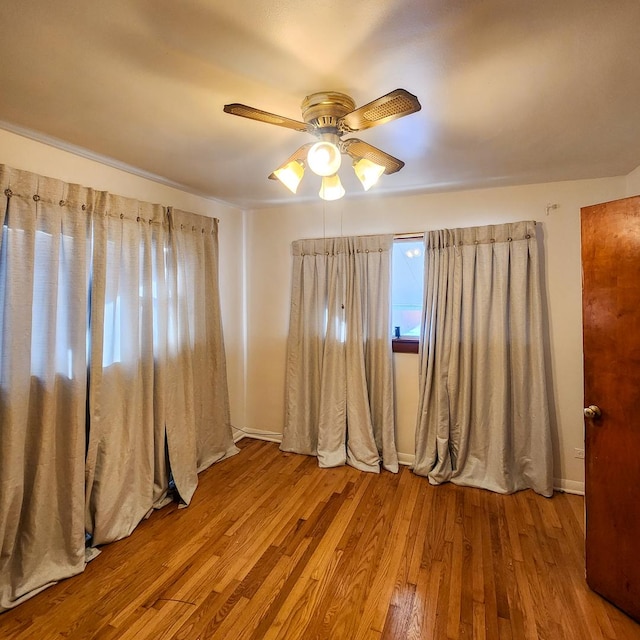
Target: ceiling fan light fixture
368 172
331 188
290 175
329 116
324 158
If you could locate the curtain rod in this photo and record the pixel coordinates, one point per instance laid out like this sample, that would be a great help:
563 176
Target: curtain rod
420 234
396 236
408 235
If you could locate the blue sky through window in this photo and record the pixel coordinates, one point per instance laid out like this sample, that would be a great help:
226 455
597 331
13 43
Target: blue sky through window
407 278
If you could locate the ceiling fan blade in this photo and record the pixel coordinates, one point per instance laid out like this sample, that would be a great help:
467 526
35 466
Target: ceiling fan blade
252 113
358 149
393 105
299 154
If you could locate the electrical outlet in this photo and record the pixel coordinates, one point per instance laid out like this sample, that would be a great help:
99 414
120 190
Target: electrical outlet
579 453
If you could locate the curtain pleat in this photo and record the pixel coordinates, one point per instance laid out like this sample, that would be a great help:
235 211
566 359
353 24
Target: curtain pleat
339 397
112 370
483 416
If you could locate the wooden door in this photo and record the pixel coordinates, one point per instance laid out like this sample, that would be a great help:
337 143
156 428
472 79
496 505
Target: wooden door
611 317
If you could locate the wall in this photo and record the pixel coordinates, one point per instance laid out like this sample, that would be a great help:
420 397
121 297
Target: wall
633 183
270 232
23 153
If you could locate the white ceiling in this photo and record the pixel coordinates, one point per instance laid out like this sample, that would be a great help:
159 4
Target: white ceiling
512 91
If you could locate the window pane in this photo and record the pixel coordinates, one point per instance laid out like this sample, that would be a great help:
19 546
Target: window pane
406 286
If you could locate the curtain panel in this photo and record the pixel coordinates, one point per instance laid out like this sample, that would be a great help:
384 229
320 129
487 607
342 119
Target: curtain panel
126 472
44 284
112 370
483 417
339 388
196 320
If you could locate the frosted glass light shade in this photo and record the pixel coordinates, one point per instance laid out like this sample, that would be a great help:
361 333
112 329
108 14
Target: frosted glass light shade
331 188
324 158
368 172
290 175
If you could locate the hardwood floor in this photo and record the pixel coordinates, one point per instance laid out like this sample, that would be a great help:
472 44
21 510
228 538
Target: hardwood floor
273 547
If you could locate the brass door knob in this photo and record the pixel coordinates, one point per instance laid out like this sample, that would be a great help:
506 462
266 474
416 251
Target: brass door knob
592 412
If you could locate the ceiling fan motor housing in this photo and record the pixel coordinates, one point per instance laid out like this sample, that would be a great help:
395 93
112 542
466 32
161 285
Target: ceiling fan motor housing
322 111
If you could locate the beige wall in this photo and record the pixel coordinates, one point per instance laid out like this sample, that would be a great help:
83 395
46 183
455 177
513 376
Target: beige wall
22 153
270 232
633 183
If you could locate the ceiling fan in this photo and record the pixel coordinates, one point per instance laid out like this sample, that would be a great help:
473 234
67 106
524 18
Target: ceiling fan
329 116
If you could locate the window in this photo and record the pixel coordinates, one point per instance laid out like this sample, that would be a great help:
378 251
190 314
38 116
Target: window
407 279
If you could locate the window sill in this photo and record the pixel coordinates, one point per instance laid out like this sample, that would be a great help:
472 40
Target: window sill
405 345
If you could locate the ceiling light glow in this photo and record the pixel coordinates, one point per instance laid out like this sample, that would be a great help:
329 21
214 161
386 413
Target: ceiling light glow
368 172
324 158
290 175
331 188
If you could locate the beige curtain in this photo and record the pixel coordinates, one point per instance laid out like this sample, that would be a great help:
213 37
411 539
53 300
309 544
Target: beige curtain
339 404
44 280
483 417
128 292
158 373
126 470
196 345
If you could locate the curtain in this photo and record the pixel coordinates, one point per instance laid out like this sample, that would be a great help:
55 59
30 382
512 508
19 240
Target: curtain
44 280
483 417
112 370
339 379
196 349
126 470
158 385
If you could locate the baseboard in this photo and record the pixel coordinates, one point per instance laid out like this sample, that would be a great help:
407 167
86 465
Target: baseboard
271 436
257 434
559 484
568 486
406 459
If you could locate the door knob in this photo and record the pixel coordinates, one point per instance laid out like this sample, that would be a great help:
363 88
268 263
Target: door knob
592 412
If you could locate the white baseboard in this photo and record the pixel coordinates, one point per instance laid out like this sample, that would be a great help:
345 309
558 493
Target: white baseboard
257 434
568 486
559 484
271 436
406 459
